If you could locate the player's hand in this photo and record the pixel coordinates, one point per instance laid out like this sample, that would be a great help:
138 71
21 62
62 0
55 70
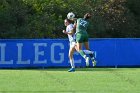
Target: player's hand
64 31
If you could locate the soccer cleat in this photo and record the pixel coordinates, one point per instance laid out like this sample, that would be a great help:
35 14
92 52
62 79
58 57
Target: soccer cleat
93 62
71 70
87 61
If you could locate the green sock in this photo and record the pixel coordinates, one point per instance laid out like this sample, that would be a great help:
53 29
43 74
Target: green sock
82 53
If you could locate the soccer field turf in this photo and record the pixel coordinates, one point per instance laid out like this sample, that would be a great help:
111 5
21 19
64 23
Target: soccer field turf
84 80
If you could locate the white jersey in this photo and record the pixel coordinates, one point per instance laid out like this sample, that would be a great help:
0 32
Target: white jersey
68 29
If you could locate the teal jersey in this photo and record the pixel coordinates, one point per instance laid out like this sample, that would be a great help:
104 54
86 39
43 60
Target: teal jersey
82 25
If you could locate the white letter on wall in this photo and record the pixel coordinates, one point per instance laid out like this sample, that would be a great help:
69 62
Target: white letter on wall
53 53
2 60
19 61
38 53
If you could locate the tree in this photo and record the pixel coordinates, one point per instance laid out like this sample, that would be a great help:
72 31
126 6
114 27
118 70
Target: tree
44 18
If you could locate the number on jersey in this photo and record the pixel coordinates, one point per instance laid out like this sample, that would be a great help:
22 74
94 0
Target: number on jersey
83 23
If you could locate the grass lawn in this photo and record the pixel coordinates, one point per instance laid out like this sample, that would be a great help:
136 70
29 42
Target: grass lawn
58 80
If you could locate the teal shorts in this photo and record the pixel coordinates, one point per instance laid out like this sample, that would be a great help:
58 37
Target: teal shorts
81 37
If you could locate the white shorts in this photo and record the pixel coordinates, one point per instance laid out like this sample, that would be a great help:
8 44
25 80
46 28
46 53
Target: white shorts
72 44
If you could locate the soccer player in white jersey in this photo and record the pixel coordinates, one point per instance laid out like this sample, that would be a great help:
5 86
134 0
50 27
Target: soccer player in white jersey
71 36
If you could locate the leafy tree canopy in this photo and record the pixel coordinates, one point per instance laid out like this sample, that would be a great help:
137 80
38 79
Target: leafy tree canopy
44 18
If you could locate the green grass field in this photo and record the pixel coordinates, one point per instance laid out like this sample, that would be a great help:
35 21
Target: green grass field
84 80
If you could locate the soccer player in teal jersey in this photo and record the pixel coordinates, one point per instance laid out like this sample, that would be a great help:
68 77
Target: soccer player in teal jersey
82 36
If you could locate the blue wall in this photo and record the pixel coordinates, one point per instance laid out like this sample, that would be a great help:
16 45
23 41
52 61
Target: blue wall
54 53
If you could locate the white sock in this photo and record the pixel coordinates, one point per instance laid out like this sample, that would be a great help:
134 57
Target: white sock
72 63
84 56
88 52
